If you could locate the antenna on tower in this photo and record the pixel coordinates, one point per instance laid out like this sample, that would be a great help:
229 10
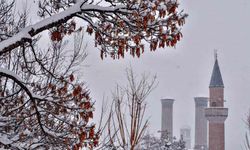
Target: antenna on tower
215 54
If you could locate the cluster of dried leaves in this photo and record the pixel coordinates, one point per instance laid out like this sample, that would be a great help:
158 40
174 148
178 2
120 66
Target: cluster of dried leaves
127 28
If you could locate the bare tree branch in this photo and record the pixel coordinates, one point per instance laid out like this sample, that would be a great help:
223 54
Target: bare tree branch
128 111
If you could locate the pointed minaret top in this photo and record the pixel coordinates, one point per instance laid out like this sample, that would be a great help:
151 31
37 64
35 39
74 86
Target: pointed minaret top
216 79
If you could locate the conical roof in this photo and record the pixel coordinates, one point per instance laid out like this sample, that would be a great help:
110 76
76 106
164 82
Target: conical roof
216 79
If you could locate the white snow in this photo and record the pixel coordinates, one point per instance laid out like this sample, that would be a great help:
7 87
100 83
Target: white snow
18 37
101 8
11 73
4 139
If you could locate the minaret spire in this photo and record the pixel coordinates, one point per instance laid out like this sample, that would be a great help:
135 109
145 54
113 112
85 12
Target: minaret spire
216 79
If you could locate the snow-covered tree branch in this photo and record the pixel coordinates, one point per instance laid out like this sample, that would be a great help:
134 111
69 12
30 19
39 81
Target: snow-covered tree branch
118 27
46 107
42 103
26 34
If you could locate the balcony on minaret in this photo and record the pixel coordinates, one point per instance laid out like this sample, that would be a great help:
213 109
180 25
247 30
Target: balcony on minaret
216 114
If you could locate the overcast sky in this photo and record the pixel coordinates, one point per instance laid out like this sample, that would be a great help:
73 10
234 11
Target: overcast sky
184 73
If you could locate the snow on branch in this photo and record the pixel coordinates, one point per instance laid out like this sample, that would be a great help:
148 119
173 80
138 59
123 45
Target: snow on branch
17 79
9 74
27 33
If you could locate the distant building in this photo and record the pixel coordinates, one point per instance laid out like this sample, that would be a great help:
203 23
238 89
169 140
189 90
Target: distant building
209 121
186 136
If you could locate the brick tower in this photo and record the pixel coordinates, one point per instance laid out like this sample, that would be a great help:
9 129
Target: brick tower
216 114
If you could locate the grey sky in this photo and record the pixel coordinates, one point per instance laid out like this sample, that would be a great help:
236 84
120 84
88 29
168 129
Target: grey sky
185 72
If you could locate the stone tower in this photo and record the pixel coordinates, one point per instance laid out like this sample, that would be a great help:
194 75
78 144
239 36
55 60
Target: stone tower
200 123
216 114
167 118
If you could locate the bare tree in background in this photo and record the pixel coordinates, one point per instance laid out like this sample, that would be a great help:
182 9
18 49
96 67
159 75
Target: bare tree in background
127 122
126 125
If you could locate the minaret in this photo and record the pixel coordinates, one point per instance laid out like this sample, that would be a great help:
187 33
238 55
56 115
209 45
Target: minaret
167 118
200 123
216 114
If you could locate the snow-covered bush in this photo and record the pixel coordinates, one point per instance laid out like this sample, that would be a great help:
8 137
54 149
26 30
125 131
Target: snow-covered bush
151 142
